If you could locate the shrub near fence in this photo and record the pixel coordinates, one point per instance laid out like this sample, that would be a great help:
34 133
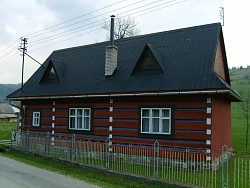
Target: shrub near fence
165 163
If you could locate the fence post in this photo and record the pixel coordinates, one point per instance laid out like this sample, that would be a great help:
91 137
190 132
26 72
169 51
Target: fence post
223 158
27 140
73 147
13 136
46 146
156 159
108 149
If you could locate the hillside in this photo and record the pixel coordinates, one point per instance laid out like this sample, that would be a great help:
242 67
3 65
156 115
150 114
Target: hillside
6 89
240 81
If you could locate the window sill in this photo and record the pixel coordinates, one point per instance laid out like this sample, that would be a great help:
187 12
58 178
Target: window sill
156 136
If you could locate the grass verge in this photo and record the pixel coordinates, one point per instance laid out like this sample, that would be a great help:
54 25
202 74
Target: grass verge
5 130
96 177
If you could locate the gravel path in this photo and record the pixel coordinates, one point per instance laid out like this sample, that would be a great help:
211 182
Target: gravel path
14 174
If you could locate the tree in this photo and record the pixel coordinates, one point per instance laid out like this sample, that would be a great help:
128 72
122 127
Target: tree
246 109
124 27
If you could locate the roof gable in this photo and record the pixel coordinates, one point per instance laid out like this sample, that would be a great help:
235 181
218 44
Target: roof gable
220 64
149 61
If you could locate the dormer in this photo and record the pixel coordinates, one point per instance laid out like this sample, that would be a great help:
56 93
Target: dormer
149 61
53 72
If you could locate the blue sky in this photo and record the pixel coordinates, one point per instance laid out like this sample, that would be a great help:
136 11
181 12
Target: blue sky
51 25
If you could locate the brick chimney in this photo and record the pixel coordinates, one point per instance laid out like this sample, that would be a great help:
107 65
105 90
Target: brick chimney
111 52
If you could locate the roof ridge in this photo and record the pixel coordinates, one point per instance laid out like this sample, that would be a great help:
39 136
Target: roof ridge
140 36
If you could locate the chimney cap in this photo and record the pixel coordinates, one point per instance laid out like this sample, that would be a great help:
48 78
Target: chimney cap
112 16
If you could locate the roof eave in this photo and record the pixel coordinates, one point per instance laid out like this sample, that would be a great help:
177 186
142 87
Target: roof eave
235 96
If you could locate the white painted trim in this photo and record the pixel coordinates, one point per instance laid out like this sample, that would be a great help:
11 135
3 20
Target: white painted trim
209 131
209 110
111 109
110 119
110 128
208 142
209 100
209 121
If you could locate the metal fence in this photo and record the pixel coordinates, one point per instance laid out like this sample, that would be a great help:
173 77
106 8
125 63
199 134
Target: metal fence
166 163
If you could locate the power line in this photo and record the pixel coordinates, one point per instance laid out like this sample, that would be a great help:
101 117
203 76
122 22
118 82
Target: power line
6 36
9 60
160 8
66 22
6 56
9 46
76 18
66 39
120 13
56 36
91 18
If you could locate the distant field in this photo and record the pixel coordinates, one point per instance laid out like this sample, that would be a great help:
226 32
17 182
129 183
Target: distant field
240 81
5 130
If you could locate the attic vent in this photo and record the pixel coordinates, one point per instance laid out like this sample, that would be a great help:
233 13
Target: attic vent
53 72
148 62
50 74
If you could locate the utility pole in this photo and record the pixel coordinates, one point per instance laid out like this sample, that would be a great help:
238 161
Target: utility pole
222 16
23 48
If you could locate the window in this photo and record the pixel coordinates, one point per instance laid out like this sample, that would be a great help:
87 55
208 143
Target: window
36 119
79 118
156 120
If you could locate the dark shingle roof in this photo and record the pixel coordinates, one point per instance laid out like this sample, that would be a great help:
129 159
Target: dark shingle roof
187 57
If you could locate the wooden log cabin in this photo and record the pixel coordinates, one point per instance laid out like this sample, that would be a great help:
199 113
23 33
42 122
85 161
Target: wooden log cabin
172 86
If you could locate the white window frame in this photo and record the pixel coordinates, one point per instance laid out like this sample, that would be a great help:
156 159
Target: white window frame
82 116
160 117
36 119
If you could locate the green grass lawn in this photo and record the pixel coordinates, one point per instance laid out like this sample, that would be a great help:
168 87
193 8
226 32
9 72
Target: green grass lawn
5 130
240 81
96 177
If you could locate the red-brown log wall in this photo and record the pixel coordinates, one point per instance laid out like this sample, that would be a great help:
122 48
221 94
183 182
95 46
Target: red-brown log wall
221 125
189 118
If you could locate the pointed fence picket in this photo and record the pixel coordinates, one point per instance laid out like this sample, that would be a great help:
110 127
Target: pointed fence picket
165 163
